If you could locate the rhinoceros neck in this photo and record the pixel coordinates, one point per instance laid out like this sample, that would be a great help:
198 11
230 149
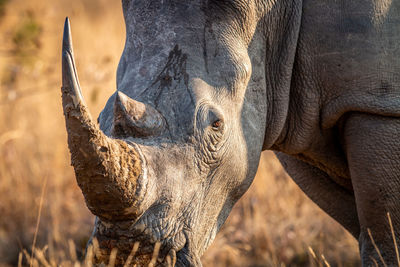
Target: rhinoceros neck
282 25
282 32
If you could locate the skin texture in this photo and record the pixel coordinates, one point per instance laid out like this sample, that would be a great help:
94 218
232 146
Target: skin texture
343 117
205 85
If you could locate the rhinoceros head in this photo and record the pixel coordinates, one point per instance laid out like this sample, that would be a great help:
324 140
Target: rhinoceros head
178 143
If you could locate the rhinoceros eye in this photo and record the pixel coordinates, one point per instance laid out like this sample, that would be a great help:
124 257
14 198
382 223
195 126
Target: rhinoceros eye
216 125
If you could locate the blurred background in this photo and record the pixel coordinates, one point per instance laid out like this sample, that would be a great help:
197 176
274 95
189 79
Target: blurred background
41 206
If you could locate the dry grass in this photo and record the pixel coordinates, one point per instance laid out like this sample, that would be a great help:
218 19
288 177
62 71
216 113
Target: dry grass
273 225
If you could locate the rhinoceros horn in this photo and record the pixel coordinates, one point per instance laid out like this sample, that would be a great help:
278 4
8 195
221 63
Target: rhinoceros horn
136 119
110 172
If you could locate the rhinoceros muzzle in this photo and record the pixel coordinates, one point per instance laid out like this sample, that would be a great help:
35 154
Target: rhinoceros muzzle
111 173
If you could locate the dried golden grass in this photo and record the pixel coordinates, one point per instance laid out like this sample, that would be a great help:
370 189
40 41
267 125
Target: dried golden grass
395 247
273 225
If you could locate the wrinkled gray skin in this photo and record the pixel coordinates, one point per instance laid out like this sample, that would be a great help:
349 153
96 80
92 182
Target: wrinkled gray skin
215 82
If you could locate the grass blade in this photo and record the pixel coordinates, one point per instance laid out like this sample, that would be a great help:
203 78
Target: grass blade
38 218
376 247
394 239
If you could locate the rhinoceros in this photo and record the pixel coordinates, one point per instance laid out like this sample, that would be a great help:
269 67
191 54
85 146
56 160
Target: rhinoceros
204 86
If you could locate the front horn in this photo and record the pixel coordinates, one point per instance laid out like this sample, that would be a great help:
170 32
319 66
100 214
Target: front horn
110 172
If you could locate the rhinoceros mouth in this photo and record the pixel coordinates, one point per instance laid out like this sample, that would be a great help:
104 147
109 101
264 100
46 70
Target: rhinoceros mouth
159 224
154 230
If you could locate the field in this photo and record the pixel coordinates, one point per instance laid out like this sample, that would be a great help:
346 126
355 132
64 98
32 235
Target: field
41 206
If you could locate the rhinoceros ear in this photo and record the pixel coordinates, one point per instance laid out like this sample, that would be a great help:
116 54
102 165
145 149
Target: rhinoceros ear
136 119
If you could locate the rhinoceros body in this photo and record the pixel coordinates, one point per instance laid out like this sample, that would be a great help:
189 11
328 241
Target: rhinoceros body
203 86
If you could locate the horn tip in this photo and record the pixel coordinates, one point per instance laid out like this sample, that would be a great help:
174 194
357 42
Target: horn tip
67 40
120 98
69 75
120 95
